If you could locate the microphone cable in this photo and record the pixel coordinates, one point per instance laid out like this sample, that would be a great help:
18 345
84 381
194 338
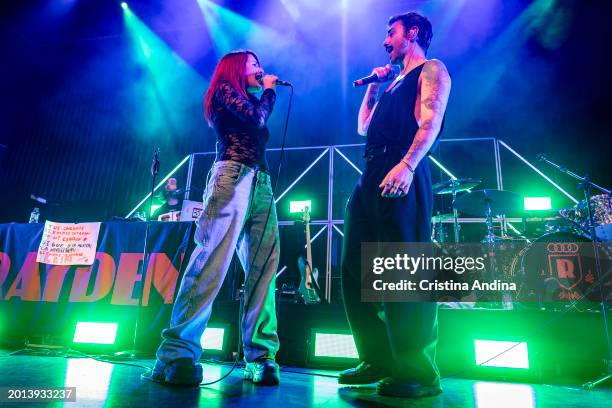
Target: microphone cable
272 202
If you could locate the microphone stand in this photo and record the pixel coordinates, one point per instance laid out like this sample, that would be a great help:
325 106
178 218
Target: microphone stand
133 353
585 184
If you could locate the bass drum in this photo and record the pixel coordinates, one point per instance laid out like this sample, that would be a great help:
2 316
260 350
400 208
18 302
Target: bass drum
557 271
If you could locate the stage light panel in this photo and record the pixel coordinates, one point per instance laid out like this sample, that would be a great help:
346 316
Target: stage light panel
124 5
212 338
298 206
508 354
95 333
499 395
537 203
335 345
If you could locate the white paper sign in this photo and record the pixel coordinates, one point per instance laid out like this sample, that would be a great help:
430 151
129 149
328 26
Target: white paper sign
68 243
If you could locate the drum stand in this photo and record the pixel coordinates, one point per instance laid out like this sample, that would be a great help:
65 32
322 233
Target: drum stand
454 186
585 183
490 237
455 212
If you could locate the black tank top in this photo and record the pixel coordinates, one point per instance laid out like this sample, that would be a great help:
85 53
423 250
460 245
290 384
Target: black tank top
393 123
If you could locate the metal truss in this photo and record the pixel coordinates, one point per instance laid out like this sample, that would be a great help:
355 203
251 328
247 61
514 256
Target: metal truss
333 152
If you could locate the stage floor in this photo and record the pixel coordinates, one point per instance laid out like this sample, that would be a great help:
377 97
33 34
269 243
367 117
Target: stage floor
114 385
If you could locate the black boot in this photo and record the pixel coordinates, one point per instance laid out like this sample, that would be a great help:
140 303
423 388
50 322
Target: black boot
392 387
181 372
364 373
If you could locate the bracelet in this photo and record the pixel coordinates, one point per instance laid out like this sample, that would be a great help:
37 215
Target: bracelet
408 165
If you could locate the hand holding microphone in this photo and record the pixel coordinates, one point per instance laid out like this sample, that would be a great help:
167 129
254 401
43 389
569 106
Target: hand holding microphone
379 74
270 81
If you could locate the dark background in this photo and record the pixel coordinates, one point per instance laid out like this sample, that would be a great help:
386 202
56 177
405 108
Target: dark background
82 109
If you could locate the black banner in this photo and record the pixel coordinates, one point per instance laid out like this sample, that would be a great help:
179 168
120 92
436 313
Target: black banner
38 300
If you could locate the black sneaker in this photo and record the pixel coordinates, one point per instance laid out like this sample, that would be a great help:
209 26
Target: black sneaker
181 372
390 387
262 372
364 373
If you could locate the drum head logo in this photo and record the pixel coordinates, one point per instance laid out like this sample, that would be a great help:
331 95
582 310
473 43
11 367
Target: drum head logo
565 263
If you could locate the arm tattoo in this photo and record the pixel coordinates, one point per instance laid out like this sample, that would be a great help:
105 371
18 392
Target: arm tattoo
427 124
367 106
371 100
435 88
371 95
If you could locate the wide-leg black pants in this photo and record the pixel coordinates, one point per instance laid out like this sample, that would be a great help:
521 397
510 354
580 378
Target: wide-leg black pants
405 341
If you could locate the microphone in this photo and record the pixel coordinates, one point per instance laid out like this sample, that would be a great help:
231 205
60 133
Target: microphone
374 78
280 82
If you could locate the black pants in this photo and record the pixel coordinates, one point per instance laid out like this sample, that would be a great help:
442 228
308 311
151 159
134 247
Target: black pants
405 341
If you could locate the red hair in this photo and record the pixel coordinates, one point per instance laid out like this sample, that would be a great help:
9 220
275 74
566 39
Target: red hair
231 68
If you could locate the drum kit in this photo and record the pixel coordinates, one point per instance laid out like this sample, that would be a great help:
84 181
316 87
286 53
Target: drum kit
551 269
485 203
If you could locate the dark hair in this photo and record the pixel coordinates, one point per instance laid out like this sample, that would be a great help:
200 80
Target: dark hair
413 19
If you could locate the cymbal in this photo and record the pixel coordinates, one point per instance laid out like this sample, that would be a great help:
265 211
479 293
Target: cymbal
462 184
501 202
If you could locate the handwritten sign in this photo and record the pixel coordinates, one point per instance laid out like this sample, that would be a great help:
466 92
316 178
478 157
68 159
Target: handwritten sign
68 244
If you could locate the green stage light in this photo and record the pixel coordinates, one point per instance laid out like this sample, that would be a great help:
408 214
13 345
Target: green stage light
335 345
230 30
96 333
298 206
508 354
500 395
154 208
124 5
537 203
167 85
212 338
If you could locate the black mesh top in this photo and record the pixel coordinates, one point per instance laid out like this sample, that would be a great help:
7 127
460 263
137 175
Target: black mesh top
240 124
